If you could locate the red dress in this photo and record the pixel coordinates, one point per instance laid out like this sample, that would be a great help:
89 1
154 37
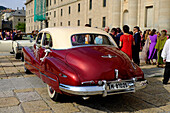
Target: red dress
127 41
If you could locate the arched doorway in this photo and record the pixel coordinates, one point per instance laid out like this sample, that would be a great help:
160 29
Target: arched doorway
126 17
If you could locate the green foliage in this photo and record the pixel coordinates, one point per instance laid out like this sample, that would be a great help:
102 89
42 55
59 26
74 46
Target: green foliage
21 26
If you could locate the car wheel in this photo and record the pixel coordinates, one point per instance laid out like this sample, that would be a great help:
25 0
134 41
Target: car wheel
27 71
17 56
52 93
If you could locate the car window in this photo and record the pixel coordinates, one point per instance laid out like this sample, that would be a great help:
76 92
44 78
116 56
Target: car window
47 40
90 39
38 41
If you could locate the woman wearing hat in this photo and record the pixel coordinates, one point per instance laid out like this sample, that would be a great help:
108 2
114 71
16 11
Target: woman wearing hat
159 46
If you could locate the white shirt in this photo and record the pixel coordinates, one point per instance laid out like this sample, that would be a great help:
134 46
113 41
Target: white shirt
166 51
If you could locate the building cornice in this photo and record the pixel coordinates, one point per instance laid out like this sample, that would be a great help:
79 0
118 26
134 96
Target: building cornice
28 1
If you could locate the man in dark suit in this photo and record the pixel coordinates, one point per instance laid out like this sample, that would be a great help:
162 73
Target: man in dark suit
119 34
136 48
113 33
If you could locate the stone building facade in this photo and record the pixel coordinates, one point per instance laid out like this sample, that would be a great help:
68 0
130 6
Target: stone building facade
147 14
18 16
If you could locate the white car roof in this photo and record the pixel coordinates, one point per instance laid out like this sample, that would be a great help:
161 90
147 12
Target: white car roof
61 36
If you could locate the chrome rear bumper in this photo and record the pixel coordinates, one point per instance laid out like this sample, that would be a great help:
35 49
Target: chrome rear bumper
101 90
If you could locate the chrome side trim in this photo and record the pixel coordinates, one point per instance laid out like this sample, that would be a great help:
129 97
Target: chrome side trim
108 56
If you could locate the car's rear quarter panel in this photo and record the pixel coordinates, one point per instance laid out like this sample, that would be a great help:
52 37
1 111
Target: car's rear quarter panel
31 62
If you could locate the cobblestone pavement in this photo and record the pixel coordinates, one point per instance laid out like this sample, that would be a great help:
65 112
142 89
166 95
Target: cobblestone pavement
22 93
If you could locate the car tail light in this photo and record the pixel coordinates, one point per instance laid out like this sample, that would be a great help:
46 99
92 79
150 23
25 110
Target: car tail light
88 83
96 82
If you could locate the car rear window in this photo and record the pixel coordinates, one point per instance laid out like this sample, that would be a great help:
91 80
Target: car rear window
90 39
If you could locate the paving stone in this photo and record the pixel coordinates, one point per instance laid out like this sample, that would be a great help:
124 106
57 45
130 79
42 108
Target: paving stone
29 75
42 90
18 63
2 71
135 103
21 83
150 110
154 90
166 108
28 96
10 70
85 109
2 56
64 108
3 76
167 87
158 102
35 82
6 85
4 60
35 106
6 94
114 103
49 111
143 96
14 75
6 64
10 101
165 96
23 90
44 94
13 109
168 103
21 69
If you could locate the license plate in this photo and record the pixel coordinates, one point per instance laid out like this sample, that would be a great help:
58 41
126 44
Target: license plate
113 86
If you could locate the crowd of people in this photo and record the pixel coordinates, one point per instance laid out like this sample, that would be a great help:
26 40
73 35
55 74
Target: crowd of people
150 42
15 34
10 34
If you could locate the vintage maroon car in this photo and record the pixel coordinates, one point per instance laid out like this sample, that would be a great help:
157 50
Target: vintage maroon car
82 61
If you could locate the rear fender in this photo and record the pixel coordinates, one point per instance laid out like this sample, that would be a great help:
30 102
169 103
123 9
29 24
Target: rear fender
31 62
58 68
51 79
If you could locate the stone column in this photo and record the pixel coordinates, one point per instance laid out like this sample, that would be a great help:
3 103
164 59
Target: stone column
133 13
116 13
164 15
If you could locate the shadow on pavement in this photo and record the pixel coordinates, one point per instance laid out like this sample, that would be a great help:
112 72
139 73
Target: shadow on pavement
154 96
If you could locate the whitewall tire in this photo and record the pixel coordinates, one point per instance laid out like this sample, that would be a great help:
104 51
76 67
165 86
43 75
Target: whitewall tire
52 93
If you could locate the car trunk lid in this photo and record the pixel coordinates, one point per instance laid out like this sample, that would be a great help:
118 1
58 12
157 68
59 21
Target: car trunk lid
100 63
